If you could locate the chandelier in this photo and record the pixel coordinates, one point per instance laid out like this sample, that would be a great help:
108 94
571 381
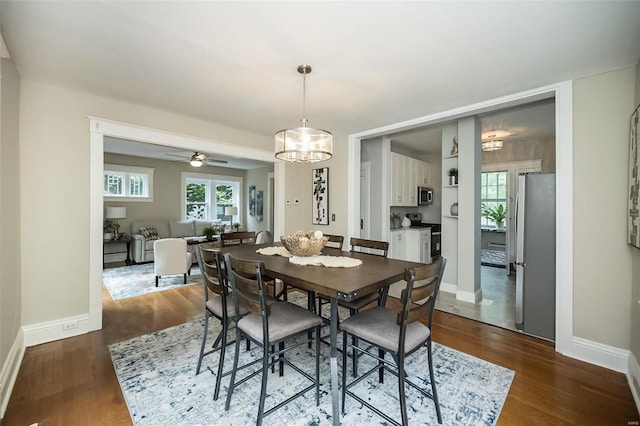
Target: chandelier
304 144
492 144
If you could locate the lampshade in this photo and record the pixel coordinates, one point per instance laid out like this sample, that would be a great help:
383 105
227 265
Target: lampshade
303 144
116 213
492 145
230 211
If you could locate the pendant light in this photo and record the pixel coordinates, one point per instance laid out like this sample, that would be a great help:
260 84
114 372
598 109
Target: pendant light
303 144
492 144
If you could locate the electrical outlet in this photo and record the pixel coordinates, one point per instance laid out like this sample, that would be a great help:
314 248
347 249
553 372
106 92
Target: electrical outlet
333 217
70 326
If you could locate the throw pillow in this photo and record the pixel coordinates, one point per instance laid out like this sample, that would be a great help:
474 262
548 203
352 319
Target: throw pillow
149 233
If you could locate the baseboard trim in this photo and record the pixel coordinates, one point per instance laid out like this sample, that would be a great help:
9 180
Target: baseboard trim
599 354
10 371
633 376
449 288
44 332
467 296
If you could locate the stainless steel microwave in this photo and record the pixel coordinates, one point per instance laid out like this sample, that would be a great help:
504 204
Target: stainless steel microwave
425 196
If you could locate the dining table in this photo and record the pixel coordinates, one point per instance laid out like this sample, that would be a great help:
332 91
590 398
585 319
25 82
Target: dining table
375 273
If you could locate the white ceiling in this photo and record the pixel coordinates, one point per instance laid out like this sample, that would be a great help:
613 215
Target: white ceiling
374 63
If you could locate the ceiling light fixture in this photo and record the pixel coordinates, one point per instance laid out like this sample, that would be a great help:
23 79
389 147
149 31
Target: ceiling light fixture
304 144
196 160
492 144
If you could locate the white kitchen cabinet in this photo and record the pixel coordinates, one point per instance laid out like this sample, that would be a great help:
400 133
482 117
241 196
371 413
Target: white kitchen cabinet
406 175
412 244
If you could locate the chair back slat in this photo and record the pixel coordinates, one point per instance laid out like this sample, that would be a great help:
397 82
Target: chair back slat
335 241
231 238
247 283
419 297
359 243
212 271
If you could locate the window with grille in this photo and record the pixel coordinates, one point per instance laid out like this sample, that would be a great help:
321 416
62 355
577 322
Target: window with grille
134 183
493 192
207 196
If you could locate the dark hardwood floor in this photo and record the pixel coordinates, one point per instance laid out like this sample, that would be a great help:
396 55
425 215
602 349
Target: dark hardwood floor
72 381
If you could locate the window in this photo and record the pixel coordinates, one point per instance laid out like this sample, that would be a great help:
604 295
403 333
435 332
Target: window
493 192
132 183
207 196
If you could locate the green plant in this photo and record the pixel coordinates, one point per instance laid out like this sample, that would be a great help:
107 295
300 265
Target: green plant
109 226
453 171
395 216
237 226
208 232
494 213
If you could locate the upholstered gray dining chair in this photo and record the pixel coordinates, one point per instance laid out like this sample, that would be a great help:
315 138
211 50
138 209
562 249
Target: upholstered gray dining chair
268 324
400 334
219 305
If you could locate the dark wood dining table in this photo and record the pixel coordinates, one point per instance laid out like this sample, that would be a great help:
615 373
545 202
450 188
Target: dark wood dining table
374 273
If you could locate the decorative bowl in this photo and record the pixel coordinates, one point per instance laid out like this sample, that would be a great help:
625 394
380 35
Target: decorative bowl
304 244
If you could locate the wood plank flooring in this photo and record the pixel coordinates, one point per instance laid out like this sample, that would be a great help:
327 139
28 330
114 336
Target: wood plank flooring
72 381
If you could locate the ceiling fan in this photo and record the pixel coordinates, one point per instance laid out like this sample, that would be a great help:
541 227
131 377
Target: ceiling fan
198 159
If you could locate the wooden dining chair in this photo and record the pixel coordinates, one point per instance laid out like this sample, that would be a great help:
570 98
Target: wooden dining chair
400 334
268 324
231 238
219 306
335 241
374 248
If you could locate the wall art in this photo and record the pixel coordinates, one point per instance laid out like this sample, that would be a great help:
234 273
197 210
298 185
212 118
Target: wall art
252 200
634 182
320 183
259 202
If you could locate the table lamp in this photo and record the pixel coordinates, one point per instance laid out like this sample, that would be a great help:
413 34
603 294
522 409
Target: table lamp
231 211
116 213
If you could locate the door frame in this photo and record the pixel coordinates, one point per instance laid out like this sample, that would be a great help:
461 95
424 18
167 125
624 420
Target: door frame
563 94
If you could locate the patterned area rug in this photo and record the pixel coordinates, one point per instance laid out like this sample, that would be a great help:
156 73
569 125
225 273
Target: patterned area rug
157 376
136 280
493 258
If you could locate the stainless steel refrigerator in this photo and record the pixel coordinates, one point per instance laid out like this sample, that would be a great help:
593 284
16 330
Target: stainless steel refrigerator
536 255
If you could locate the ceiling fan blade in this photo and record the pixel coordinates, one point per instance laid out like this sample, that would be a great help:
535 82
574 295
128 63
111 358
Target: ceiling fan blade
179 156
215 160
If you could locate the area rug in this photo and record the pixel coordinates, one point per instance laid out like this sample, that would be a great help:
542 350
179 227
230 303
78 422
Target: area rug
157 376
136 280
494 258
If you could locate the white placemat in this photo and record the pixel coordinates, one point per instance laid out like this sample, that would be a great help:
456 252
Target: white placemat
274 251
328 261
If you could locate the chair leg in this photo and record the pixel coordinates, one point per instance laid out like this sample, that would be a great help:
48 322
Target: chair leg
381 364
344 368
204 341
184 278
157 280
355 353
223 350
281 358
401 388
317 365
233 371
433 382
263 388
311 306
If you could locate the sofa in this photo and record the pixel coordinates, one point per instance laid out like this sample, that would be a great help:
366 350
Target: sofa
145 232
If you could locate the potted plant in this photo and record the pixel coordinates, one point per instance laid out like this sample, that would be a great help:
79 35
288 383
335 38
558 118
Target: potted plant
237 226
208 232
453 176
108 227
395 220
494 213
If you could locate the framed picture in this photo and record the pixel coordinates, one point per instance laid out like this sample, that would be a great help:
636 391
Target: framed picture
252 200
259 202
320 183
634 182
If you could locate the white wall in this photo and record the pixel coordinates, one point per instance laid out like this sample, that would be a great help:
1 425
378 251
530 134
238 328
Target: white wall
10 285
602 257
54 198
258 178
